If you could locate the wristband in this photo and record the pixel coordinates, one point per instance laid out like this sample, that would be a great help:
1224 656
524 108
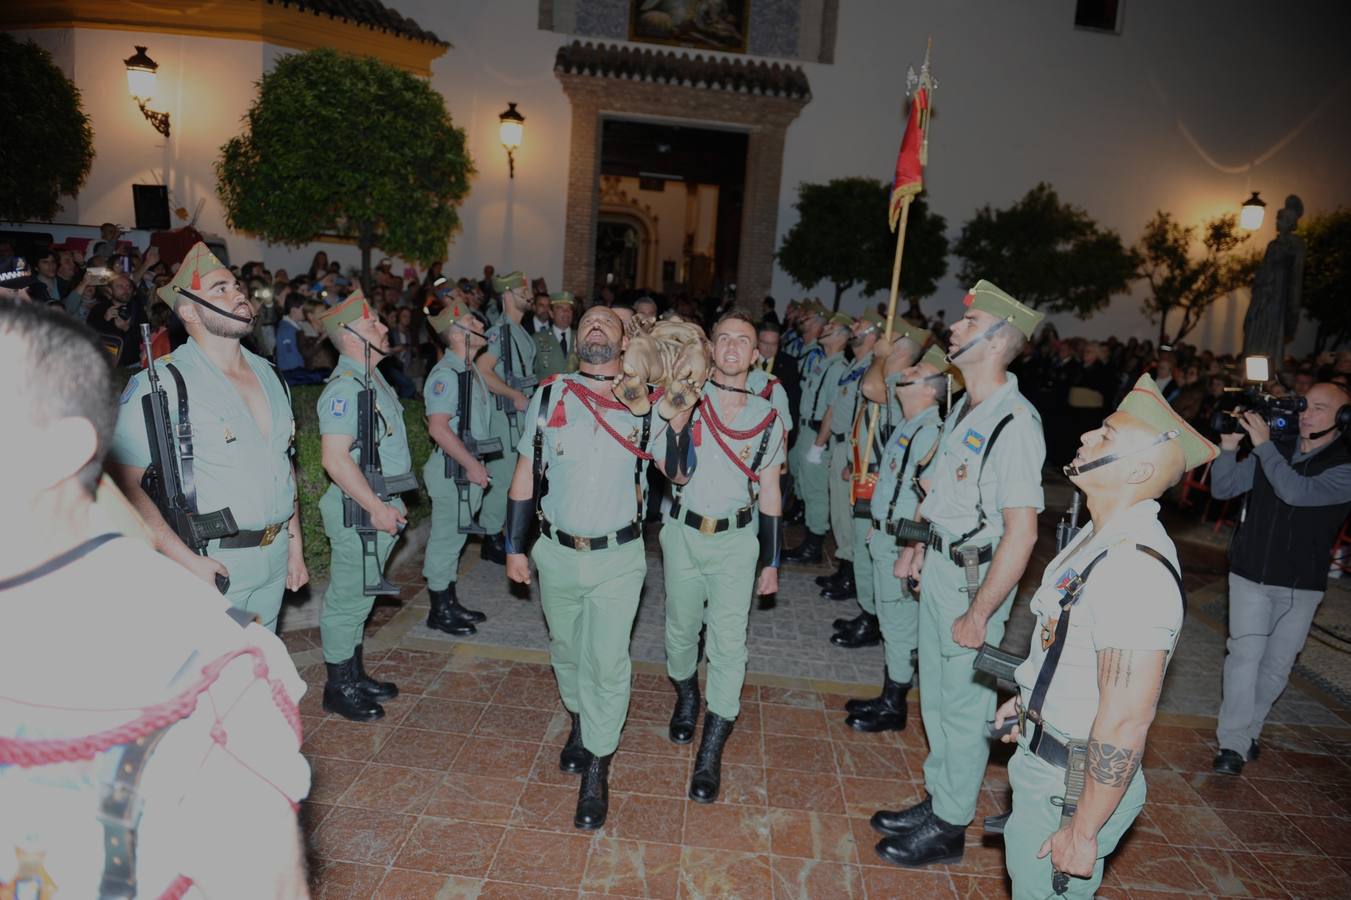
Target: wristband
520 519
771 534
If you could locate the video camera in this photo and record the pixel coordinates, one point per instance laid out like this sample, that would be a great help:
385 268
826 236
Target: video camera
1280 413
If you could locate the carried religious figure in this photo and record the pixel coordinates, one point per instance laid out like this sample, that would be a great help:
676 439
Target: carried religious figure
1273 312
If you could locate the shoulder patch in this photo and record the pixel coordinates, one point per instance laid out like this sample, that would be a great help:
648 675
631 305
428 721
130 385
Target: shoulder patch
438 387
337 407
973 440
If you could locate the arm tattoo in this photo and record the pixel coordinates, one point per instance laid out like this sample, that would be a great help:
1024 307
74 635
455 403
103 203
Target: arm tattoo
1112 766
1116 667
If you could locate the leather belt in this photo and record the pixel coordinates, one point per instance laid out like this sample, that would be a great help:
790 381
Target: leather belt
710 525
244 539
813 424
630 532
1048 747
955 553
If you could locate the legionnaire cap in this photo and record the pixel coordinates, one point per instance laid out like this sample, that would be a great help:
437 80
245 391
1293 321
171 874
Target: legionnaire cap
903 330
988 298
873 318
840 318
812 308
199 261
449 315
562 298
935 357
353 308
1145 403
504 283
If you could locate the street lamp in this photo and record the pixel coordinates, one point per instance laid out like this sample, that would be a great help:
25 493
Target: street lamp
1254 210
511 129
141 79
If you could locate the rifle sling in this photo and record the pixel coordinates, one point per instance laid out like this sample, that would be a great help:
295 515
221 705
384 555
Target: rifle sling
183 439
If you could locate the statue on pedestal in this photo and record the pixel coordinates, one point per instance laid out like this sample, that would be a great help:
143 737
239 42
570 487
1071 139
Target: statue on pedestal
1273 312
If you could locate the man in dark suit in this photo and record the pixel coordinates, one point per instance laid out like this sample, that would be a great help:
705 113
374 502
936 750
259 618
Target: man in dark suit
539 318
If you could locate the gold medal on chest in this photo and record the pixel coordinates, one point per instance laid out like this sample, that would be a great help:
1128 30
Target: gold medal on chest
961 472
893 465
229 435
633 435
1048 634
558 449
745 452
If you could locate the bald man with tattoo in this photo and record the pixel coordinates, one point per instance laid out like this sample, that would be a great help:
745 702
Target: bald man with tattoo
1109 611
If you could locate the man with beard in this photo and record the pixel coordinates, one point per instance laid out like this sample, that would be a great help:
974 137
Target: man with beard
590 550
1109 610
556 346
709 553
983 493
462 331
242 432
358 333
509 354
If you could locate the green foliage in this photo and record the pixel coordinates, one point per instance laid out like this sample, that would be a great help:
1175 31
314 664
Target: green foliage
352 146
1050 255
1327 272
842 236
1183 283
48 143
312 481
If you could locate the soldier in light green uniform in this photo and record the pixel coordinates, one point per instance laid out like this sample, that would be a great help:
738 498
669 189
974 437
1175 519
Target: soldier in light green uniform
810 360
589 554
817 395
877 387
844 410
894 500
710 553
983 495
242 431
556 346
462 330
507 367
352 328
1094 670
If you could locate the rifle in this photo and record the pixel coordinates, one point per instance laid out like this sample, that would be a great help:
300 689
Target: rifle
480 449
1068 527
516 382
354 515
168 479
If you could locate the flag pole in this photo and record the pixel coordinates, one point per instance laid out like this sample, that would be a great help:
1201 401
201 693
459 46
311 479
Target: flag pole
891 317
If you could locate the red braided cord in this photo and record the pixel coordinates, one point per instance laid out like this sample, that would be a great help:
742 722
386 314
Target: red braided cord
177 889
20 752
582 395
715 426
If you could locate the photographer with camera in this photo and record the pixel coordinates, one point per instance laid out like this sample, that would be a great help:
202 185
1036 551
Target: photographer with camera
1298 494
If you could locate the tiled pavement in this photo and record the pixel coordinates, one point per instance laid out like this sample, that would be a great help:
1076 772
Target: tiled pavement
457 792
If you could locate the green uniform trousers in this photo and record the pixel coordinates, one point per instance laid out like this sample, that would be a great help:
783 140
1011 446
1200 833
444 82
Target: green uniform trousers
897 609
1036 783
441 564
864 579
493 515
346 607
590 599
257 577
841 501
720 570
811 485
954 701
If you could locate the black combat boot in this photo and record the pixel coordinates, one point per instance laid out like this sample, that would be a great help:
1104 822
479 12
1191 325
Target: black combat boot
343 695
933 841
574 758
845 588
472 616
686 714
593 798
443 617
376 690
889 715
825 581
866 633
841 624
494 549
862 706
807 553
901 821
707 778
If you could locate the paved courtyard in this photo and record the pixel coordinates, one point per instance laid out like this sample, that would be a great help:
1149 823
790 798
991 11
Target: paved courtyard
457 792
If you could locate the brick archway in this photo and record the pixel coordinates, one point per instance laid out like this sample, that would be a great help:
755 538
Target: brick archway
760 99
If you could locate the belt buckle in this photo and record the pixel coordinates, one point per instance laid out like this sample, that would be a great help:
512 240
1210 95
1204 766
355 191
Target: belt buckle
708 525
270 534
581 543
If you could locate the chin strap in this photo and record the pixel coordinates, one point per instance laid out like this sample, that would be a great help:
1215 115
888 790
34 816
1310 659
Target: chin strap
213 307
983 336
943 375
1072 469
368 344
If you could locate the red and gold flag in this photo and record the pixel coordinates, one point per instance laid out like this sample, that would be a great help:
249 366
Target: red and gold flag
914 152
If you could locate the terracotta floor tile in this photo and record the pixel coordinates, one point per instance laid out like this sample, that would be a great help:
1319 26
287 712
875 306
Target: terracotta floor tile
811 835
468 687
658 684
406 884
546 808
1189 756
347 740
454 716
486 665
397 710
651 738
545 767
409 678
329 777
1333 836
743 784
1296 797
641 818
1151 867
639 773
514 723
476 799
547 860
423 749
398 789
1317 767
872 760
362 835
332 880
532 692
865 796
1257 795
792 720
803 790
724 826
970 887
894 881
812 879
724 875
632 868
648 706
981 858
744 747
802 754
502 890
1193 826
450 847
496 758
1307 876
791 697
1169 787
1268 833
1231 873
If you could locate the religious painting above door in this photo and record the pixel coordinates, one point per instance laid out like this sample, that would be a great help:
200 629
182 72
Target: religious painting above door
696 24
